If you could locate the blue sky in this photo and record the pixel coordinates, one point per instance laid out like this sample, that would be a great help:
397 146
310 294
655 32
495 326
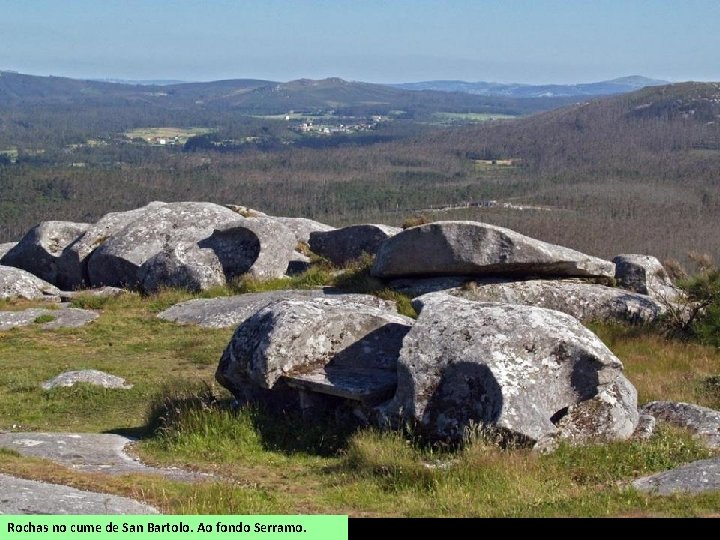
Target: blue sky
540 41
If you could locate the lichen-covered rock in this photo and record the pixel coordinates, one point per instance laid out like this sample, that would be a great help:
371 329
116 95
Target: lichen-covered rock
185 266
4 248
72 265
86 376
295 336
532 372
17 283
41 249
584 301
260 247
47 319
302 228
644 274
703 422
118 259
418 286
101 292
473 248
341 246
229 311
696 477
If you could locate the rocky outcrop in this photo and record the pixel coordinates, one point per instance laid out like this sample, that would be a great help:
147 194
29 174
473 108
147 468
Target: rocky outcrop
72 266
531 372
47 319
118 259
295 337
693 478
340 246
479 249
4 248
645 275
182 266
584 301
302 228
40 250
230 311
704 423
17 283
86 376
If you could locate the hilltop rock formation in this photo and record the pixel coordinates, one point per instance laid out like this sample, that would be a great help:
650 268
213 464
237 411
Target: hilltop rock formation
340 246
323 337
449 248
531 372
584 301
645 275
17 283
302 228
40 250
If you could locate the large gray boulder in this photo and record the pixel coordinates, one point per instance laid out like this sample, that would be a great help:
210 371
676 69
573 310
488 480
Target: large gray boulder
292 337
41 249
17 283
72 266
118 259
4 248
703 422
534 373
230 311
473 248
645 274
340 246
184 266
302 228
584 301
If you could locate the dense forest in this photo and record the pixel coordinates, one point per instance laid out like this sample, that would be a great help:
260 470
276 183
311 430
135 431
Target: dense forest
636 172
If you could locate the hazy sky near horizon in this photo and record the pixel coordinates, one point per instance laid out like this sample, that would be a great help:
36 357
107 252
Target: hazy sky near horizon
530 41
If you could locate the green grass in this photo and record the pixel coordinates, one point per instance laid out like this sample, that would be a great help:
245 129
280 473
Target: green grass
266 462
46 318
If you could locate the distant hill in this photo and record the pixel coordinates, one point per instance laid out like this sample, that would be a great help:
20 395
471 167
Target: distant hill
258 96
602 88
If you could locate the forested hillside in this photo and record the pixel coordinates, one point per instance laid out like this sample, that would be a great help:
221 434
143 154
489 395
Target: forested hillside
630 173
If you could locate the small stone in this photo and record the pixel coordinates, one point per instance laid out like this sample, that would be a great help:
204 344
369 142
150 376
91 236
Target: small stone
87 376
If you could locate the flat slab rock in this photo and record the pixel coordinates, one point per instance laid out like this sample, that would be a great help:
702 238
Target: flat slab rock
704 423
584 301
87 452
62 318
696 477
87 376
230 311
20 496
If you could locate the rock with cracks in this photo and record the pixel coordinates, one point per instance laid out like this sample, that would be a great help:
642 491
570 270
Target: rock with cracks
340 246
47 319
333 340
72 266
41 250
584 301
473 248
644 274
17 283
184 266
693 478
529 372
